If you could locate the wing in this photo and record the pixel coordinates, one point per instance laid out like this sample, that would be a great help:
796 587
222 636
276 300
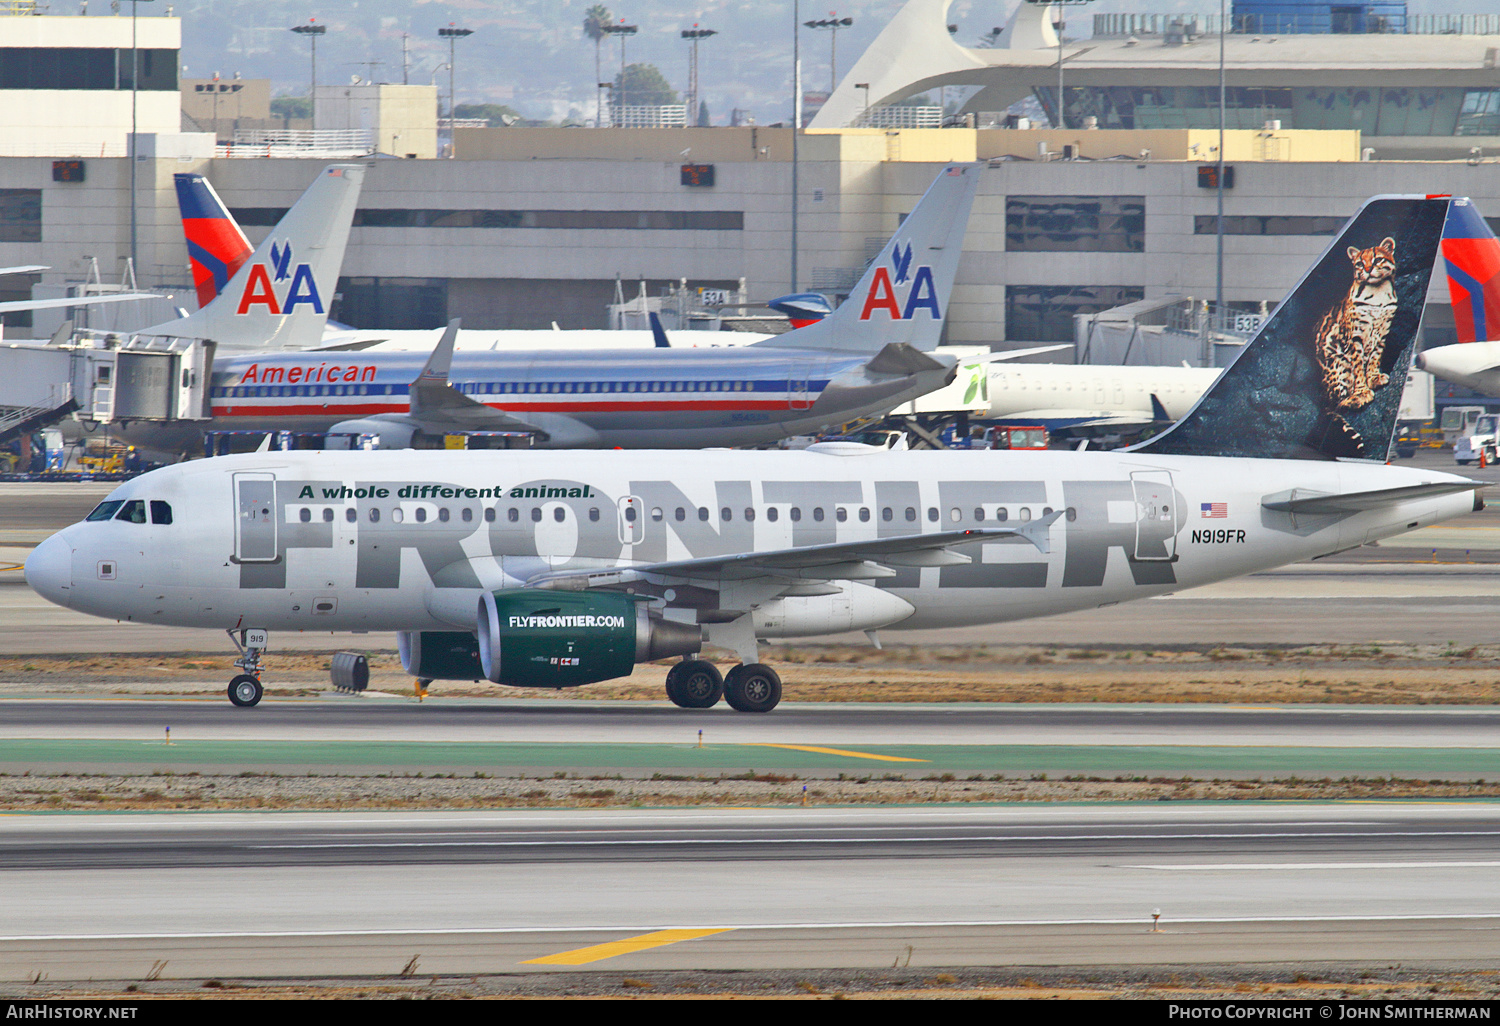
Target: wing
835 561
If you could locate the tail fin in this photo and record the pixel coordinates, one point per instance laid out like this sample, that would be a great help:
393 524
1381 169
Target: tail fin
279 298
904 294
1471 254
216 246
1322 378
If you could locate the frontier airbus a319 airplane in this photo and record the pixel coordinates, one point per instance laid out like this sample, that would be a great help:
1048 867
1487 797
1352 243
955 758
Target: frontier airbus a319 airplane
559 569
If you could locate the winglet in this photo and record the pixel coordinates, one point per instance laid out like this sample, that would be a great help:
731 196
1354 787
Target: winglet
435 371
1158 411
658 333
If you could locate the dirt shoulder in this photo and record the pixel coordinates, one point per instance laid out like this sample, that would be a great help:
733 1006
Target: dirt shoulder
1352 674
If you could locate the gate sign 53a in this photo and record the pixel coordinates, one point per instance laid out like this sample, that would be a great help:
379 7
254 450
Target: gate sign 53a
259 290
921 293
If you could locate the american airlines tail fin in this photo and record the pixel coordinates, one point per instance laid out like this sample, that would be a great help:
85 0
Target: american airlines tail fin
279 298
904 294
1471 254
1322 379
217 248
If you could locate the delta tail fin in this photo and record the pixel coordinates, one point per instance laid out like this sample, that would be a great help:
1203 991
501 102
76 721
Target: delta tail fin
279 298
1471 255
904 294
217 248
1322 379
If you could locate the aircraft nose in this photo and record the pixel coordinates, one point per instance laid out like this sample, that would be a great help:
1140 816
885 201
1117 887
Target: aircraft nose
49 570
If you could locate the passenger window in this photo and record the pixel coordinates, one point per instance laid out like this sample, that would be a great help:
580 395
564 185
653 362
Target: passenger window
864 514
771 513
374 515
134 512
536 514
559 513
1002 514
932 514
1025 513
887 514
161 512
679 514
351 514
594 514
327 514
841 514
657 514
1072 514
749 512
421 514
468 515
978 512
796 514
305 516
398 515
443 514
818 514
911 514
954 515
629 515
703 513
489 515
513 515
726 514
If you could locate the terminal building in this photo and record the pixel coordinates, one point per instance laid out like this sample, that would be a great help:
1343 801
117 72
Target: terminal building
524 227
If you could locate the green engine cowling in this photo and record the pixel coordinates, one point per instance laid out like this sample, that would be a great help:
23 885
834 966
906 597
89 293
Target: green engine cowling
440 655
534 638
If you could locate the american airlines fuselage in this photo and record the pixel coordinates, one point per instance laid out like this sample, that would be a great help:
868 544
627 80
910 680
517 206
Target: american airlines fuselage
409 541
656 398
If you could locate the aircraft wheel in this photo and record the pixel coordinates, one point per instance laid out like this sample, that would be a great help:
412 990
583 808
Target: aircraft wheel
695 684
245 690
752 687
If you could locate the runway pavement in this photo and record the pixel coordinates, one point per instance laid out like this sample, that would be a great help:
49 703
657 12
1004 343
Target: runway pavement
318 895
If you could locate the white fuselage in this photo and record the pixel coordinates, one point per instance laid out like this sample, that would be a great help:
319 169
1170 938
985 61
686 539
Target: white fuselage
404 540
483 339
1063 395
1472 364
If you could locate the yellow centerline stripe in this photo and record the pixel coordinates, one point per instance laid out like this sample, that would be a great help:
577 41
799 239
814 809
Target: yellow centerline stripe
599 952
837 751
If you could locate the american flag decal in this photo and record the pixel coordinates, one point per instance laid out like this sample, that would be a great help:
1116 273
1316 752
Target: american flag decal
1213 510
954 172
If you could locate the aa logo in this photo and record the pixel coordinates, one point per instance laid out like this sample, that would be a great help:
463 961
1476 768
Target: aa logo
921 293
259 290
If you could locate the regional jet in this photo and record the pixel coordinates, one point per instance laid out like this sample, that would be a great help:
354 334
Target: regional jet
865 359
553 570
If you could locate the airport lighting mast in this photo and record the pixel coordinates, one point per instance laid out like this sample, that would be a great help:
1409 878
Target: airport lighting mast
622 30
1059 119
695 34
453 35
833 22
312 31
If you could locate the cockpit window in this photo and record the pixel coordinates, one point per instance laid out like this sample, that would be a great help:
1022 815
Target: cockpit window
134 511
105 510
161 512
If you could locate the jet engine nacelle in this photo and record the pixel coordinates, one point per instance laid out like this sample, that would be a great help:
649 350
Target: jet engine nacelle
395 433
555 639
440 655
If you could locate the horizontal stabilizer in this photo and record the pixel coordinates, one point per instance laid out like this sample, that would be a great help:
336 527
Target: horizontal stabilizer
1358 502
901 360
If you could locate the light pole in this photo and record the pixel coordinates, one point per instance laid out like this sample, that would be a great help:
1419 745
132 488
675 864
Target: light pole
695 34
1219 188
312 31
453 35
1059 119
796 121
135 74
622 30
833 23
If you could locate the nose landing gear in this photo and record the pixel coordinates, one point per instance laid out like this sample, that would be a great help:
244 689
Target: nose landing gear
245 690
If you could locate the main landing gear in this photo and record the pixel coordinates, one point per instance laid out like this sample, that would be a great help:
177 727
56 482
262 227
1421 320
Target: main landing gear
245 690
749 687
